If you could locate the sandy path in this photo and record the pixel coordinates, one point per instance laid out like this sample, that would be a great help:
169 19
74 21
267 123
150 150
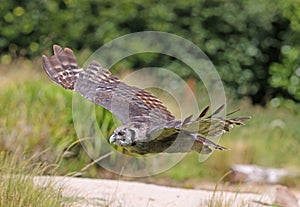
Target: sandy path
98 192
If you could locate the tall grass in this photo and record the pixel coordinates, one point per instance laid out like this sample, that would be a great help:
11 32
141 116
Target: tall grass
17 187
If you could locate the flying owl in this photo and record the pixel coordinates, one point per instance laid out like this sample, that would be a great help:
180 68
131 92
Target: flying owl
148 126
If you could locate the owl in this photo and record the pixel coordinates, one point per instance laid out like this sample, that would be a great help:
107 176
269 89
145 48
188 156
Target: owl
148 126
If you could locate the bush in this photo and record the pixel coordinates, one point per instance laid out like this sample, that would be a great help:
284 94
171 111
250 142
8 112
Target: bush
254 44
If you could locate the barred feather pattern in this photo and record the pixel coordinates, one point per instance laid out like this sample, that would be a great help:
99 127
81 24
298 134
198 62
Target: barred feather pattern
212 125
62 67
98 85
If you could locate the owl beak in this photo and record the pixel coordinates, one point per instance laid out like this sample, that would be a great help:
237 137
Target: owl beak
112 139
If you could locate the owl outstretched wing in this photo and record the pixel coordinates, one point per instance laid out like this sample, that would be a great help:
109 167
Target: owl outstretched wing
97 84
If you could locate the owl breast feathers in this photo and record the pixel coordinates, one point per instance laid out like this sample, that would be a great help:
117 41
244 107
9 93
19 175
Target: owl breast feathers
148 126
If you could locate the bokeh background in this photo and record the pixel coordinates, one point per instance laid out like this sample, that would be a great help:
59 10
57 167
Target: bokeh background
254 45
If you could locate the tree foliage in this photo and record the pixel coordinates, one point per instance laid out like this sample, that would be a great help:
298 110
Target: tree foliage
254 44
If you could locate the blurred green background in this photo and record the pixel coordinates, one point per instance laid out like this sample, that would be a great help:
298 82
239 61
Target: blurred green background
254 45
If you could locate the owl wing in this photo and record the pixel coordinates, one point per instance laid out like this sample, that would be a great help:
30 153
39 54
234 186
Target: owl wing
97 84
195 131
212 125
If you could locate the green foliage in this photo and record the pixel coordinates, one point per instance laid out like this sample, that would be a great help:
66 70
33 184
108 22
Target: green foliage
253 44
285 75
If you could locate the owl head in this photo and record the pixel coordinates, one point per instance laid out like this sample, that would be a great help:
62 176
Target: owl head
124 136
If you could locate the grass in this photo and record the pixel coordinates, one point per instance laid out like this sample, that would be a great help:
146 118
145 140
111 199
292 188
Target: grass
17 186
36 114
222 201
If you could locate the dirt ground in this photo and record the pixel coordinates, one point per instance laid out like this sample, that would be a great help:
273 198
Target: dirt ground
117 193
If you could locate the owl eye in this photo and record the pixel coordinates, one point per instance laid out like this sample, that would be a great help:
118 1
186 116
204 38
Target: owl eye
121 133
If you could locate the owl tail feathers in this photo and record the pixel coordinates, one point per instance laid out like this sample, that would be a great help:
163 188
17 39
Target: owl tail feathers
62 67
207 142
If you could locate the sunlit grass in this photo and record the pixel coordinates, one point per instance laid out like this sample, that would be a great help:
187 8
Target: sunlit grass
17 187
